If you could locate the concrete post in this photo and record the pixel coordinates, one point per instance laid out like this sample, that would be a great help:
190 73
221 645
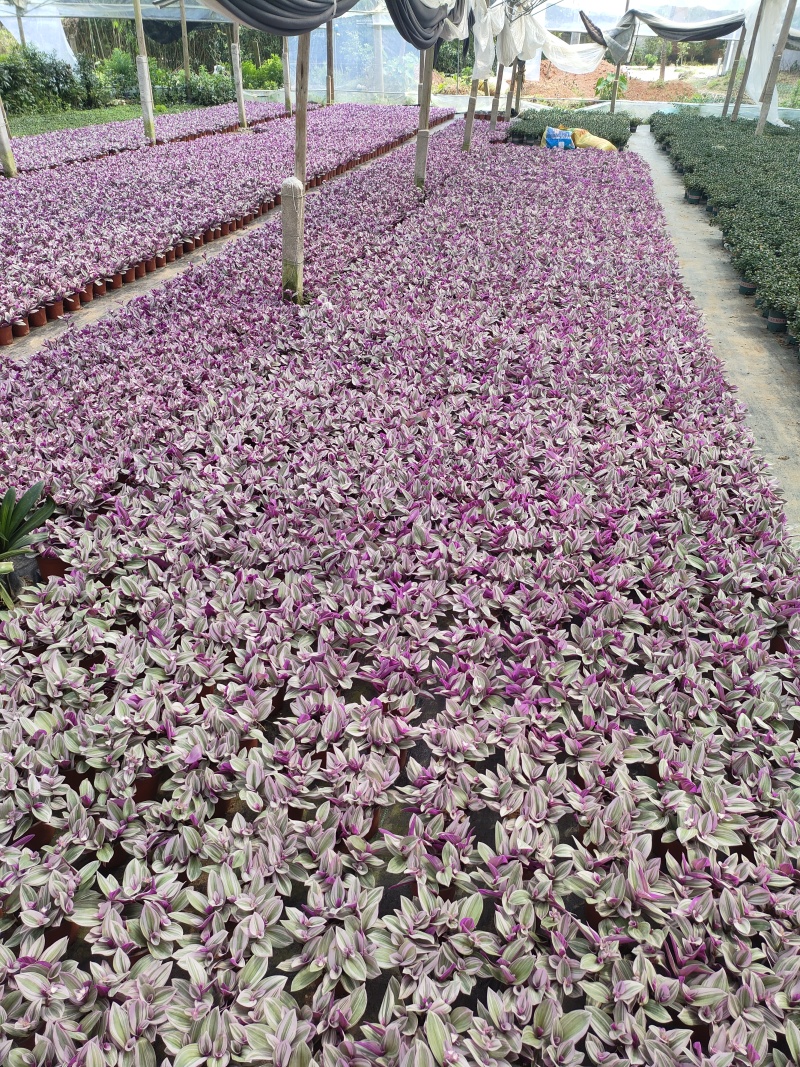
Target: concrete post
473 95
143 73
293 199
7 161
423 136
236 64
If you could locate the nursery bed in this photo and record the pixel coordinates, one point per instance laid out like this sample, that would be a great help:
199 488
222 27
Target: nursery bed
421 685
71 233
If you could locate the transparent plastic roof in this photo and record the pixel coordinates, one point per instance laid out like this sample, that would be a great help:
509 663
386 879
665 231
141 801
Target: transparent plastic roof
105 9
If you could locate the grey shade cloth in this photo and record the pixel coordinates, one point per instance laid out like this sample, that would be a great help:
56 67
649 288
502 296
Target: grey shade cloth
287 18
419 24
620 39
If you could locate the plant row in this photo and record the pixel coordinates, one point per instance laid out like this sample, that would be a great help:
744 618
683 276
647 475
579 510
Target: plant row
531 124
751 189
44 150
421 686
84 224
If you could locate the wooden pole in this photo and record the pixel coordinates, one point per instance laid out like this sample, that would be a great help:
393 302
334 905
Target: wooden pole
749 61
143 72
774 70
473 97
511 86
330 83
236 64
615 89
377 52
520 82
301 106
20 27
287 77
7 161
421 76
662 72
734 69
187 69
423 134
496 100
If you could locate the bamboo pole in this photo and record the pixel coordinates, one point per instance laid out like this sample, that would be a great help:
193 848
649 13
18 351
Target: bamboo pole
734 69
748 62
615 89
143 72
7 161
520 82
662 70
473 97
421 76
330 79
496 100
423 134
236 64
287 77
775 66
511 86
187 68
301 106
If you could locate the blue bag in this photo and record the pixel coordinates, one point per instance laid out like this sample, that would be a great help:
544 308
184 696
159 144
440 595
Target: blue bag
557 138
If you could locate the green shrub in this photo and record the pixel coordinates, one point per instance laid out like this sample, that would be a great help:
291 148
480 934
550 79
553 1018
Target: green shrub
530 126
204 88
753 185
604 88
119 75
31 80
650 60
268 76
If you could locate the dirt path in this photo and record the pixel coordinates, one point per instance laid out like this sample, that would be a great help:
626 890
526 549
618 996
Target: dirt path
764 370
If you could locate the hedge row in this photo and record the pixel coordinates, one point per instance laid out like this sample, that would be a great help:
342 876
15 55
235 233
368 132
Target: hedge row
530 126
751 188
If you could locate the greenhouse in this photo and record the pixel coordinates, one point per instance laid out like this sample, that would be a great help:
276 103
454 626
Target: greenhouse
399 555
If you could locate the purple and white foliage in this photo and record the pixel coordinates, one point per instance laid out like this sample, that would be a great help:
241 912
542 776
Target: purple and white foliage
61 229
43 150
422 688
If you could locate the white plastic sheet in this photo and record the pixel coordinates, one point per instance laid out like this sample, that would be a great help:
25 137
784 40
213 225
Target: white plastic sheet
771 21
44 32
523 38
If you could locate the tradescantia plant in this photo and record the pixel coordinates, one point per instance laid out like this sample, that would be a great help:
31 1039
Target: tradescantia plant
422 689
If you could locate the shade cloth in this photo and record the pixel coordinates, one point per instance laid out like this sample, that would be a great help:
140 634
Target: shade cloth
622 37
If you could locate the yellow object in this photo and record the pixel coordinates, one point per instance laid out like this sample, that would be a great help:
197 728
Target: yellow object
584 139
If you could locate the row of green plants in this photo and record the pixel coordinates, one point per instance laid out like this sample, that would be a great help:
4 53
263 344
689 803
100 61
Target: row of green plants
531 124
33 82
751 189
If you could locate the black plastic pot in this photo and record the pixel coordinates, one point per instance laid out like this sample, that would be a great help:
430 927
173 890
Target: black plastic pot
776 321
26 572
747 288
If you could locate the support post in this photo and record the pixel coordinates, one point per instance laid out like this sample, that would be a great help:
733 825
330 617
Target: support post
734 69
20 27
330 83
143 72
511 87
236 63
421 76
774 70
662 70
614 90
293 206
749 61
423 135
187 69
496 100
287 77
473 96
377 51
520 82
7 162
301 106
